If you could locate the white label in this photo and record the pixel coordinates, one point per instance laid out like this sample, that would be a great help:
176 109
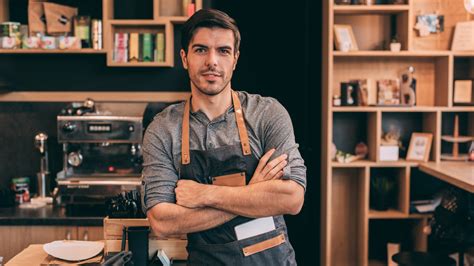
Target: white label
254 228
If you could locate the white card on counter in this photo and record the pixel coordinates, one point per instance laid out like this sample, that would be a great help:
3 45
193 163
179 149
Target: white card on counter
254 228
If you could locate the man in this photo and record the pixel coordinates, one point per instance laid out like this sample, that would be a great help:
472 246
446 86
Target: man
208 167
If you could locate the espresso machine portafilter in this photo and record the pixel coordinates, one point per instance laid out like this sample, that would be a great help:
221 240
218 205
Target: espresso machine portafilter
43 175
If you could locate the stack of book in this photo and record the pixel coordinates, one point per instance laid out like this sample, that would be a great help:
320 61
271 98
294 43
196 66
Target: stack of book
139 47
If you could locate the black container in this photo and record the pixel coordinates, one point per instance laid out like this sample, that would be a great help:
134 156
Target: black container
138 244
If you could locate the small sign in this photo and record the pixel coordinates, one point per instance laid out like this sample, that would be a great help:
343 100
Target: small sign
463 39
462 91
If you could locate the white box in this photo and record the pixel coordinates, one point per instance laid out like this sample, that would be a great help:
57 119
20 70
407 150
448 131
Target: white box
388 153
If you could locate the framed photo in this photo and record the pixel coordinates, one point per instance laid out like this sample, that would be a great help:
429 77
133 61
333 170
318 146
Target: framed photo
388 92
420 146
344 38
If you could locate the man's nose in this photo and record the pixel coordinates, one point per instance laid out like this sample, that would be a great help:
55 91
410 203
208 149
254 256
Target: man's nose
211 59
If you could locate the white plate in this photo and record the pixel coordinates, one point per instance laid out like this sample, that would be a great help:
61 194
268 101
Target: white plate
73 250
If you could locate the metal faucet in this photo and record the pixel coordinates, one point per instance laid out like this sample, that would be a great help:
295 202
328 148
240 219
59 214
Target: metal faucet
43 175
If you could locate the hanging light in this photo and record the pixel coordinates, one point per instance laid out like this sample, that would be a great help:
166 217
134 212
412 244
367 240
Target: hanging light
469 6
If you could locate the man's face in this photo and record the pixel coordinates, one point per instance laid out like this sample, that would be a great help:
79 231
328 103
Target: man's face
210 60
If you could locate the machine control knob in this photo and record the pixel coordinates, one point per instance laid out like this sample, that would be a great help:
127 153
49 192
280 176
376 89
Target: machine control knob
75 159
69 127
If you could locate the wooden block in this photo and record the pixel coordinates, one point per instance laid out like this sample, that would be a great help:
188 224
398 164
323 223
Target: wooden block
174 248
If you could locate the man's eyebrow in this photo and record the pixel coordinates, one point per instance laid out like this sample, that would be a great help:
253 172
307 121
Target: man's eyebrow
199 45
225 47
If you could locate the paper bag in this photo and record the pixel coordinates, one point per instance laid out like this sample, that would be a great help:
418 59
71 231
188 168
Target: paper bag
36 17
59 18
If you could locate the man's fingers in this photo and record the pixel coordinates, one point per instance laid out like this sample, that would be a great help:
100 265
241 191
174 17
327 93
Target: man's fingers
273 163
274 172
263 161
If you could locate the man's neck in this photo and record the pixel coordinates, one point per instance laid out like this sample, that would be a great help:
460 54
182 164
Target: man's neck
212 106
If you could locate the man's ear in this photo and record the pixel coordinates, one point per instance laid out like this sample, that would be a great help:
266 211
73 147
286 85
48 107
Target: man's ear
236 59
184 60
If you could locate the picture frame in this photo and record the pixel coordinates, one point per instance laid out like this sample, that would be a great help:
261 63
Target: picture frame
420 147
344 39
388 92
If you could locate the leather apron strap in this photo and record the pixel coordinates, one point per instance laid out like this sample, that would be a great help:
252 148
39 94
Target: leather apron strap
239 118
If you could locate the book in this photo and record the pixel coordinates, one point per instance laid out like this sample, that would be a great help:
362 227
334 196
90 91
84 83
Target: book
160 47
147 48
133 47
121 48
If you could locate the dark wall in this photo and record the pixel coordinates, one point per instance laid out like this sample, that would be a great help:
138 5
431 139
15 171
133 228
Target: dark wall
280 57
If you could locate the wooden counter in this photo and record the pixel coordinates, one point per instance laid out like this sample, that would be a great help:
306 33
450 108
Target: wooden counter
459 174
35 255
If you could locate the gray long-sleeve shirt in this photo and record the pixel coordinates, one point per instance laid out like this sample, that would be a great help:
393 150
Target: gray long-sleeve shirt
268 125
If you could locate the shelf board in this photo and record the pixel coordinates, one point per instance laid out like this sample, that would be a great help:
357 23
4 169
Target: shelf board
390 213
458 109
399 163
460 139
386 109
391 54
140 64
460 158
396 214
370 9
80 96
463 53
137 22
356 164
52 51
364 163
177 19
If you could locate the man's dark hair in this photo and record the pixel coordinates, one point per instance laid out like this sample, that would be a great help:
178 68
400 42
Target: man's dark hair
208 18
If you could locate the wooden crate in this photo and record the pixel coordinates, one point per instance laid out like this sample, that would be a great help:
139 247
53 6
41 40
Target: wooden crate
174 248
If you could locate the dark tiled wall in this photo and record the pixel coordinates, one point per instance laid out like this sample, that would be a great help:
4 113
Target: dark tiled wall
19 123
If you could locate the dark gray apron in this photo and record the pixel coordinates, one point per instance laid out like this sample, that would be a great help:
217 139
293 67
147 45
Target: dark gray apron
219 245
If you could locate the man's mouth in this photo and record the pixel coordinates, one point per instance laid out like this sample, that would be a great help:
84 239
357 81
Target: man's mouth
211 75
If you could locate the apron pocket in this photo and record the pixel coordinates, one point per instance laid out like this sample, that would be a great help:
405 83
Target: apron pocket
276 239
214 254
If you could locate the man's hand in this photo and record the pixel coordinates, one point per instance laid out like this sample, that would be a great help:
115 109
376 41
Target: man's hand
269 170
190 193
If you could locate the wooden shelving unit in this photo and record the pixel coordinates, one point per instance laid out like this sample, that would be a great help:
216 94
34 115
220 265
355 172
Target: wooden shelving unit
53 51
160 22
364 9
348 223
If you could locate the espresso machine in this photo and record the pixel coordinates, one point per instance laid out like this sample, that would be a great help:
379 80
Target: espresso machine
101 153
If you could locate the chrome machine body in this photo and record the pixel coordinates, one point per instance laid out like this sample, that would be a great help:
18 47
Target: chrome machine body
101 152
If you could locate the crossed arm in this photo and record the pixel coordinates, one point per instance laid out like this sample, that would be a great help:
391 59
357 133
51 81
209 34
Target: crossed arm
200 207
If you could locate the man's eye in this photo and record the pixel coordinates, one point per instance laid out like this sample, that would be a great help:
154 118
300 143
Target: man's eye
199 50
225 51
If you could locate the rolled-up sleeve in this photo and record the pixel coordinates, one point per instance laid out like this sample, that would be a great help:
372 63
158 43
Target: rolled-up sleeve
159 173
278 133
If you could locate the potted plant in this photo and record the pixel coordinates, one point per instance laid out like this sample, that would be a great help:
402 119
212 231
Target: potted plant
395 45
381 192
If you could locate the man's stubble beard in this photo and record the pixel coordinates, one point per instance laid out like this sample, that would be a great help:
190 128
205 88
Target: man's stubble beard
210 93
